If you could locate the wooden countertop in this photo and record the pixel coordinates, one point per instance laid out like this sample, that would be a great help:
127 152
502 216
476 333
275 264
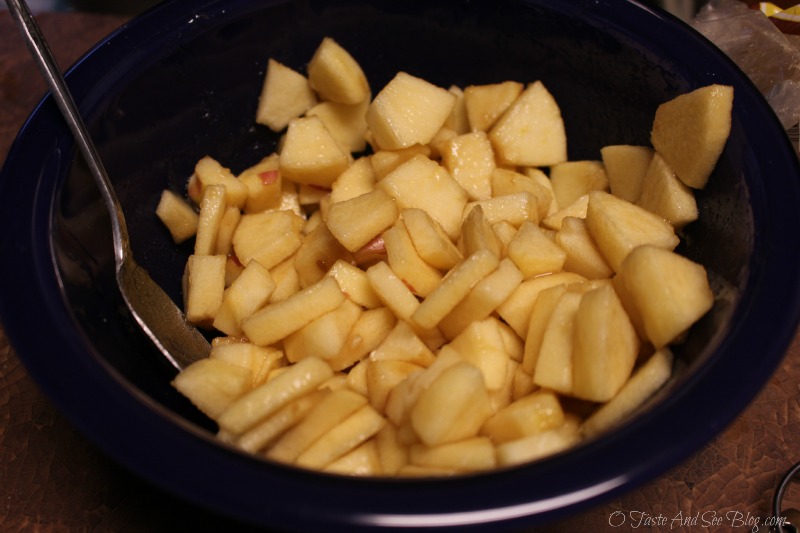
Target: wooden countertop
52 479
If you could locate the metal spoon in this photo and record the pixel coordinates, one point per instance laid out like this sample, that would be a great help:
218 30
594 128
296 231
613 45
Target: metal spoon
156 313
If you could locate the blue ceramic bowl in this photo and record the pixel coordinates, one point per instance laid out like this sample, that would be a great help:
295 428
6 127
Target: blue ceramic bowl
182 81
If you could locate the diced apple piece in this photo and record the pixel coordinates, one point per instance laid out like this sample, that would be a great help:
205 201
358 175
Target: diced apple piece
212 209
323 417
474 454
454 287
354 284
213 384
486 103
531 132
287 282
284 96
431 241
626 166
258 359
669 291
619 226
583 255
443 198
246 295
483 298
573 179
453 407
392 454
371 328
264 185
667 196
227 227
336 75
516 309
477 234
515 208
259 403
310 154
534 253
359 178
346 123
362 461
690 132
539 445
392 291
342 438
404 260
644 382
356 221
408 111
204 284
277 320
481 345
576 209
540 313
325 336
505 181
383 376
208 171
268 430
268 237
554 364
403 344
458 121
385 161
317 254
470 160
177 215
605 346
536 412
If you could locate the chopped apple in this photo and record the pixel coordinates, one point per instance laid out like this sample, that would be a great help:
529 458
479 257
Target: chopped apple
385 161
470 160
247 294
690 132
383 376
324 336
443 198
212 385
208 171
204 285
486 103
366 335
277 320
336 75
404 260
342 438
619 226
319 251
310 154
505 181
430 240
354 284
576 209
644 382
605 346
534 413
477 234
669 291
359 178
284 96
474 454
212 209
583 255
626 166
458 121
346 123
269 237
403 344
531 132
481 345
407 111
355 222
667 196
539 445
573 179
515 208
177 215
534 253
554 363
453 407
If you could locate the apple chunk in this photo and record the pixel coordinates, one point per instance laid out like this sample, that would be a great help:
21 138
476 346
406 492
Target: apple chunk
284 96
690 132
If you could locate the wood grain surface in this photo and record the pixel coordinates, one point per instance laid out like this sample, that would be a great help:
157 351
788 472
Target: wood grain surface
53 480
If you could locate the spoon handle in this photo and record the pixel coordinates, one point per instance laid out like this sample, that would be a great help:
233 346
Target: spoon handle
40 50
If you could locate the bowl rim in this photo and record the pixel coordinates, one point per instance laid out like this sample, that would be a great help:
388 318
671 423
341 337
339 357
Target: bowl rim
505 496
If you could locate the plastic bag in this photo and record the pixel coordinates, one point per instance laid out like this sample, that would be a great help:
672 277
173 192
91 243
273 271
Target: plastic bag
769 53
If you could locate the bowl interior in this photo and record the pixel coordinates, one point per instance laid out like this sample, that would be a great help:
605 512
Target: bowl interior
169 89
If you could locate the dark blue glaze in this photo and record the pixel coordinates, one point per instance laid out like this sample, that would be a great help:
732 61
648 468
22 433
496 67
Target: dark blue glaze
181 82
